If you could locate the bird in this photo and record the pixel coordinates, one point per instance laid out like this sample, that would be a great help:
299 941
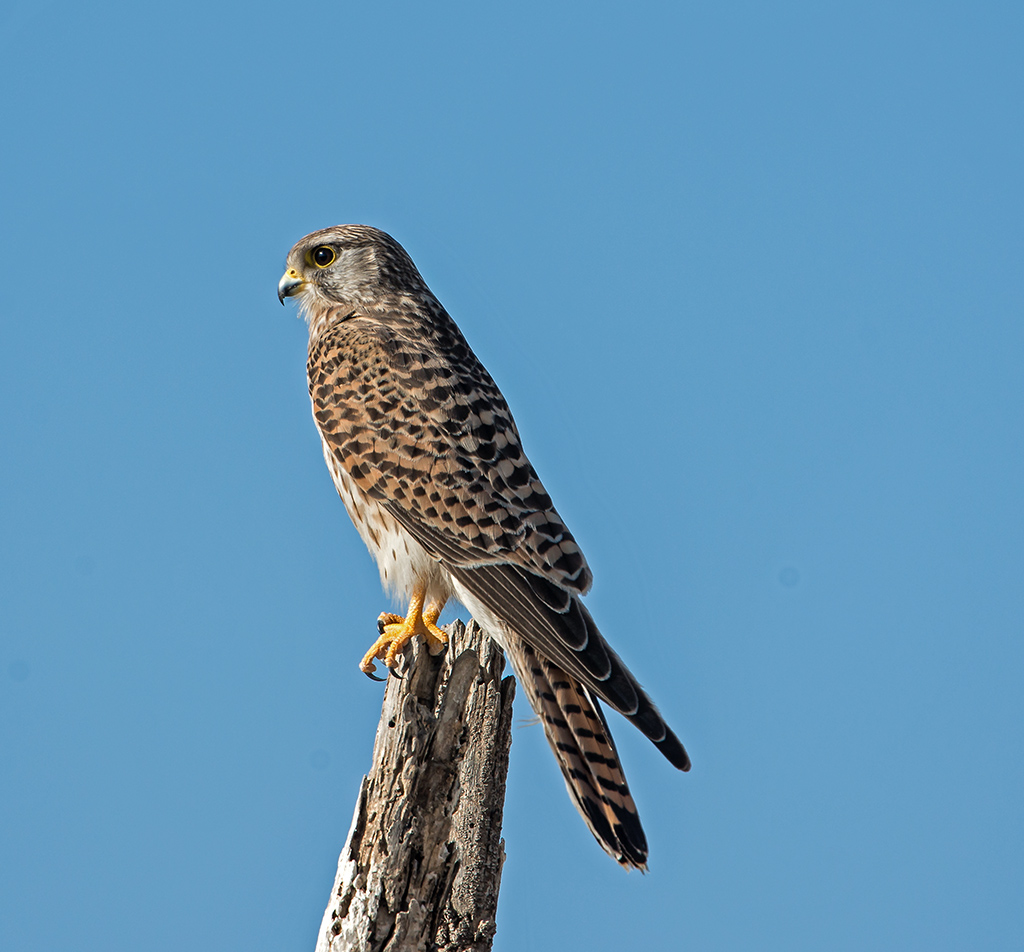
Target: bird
428 461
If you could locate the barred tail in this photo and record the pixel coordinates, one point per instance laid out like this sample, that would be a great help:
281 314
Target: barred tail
578 734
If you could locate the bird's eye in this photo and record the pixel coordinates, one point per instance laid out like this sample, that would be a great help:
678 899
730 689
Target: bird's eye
323 256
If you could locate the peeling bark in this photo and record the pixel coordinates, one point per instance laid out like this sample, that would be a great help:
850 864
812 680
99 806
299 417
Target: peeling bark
421 867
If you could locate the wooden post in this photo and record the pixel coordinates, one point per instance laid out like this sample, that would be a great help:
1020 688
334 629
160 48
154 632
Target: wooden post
421 867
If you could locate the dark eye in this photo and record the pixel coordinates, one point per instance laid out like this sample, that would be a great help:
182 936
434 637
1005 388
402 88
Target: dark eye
323 256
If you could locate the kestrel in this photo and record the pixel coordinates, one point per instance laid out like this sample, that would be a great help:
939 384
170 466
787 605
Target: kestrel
429 464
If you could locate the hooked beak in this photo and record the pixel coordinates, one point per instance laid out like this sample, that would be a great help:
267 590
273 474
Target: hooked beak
290 284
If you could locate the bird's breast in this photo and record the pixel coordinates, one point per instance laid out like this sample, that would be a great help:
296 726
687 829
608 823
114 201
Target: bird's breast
401 560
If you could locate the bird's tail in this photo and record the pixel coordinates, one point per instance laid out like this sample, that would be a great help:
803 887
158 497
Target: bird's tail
578 733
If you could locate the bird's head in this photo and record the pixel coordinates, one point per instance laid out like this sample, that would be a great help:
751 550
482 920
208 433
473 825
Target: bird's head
347 265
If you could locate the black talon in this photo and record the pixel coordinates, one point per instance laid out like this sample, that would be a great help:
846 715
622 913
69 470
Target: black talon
380 626
373 677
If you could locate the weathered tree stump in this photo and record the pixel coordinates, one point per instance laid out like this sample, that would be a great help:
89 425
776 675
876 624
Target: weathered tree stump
421 867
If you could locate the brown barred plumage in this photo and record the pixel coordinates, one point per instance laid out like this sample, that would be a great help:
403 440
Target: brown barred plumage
578 734
426 457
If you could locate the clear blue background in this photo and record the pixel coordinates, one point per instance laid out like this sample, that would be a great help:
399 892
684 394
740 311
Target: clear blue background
751 280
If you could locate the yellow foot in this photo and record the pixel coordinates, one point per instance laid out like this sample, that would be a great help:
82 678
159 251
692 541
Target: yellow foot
395 632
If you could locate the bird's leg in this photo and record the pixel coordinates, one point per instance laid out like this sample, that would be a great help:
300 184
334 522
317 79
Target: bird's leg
395 631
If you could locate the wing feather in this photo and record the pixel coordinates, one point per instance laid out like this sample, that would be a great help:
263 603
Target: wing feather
426 433
431 432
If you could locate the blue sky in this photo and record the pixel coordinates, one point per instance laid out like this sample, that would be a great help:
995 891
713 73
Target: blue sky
751 282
